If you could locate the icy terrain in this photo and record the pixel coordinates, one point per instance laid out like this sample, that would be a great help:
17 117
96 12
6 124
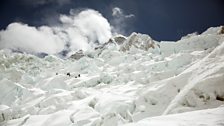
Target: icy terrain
126 81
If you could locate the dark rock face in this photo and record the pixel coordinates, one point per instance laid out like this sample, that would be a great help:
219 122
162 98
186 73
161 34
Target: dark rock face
140 41
222 30
78 55
119 39
41 55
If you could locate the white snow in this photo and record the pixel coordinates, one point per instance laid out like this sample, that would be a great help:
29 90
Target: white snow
128 81
208 117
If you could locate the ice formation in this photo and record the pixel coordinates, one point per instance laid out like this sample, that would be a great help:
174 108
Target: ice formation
126 81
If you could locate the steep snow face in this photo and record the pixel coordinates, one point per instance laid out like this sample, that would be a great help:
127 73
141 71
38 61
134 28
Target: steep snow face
209 117
127 80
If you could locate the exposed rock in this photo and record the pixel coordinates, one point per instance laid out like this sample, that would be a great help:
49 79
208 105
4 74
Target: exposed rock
119 39
77 55
222 30
140 41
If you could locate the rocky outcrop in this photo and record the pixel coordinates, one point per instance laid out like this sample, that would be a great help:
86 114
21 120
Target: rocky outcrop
140 41
78 55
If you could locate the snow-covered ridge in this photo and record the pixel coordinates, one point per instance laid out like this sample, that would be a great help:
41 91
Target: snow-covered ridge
123 81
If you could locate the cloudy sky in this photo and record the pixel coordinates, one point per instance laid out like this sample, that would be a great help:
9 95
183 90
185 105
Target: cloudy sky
78 23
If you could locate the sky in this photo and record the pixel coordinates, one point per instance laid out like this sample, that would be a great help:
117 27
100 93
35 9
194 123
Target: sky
51 19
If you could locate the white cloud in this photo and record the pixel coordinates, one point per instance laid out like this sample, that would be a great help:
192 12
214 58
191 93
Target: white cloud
89 27
80 31
93 25
66 19
22 37
120 19
118 12
77 40
129 16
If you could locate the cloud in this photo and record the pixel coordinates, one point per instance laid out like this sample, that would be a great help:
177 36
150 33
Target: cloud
93 26
89 26
77 31
22 37
120 20
118 12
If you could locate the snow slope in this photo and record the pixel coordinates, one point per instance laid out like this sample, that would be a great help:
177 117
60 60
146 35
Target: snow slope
208 117
127 80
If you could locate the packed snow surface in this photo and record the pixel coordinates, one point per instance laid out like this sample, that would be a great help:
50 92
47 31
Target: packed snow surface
127 81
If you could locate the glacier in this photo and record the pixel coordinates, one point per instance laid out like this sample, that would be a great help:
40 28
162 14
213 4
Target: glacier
132 80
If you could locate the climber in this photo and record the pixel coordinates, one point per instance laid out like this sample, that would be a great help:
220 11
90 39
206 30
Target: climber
68 74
